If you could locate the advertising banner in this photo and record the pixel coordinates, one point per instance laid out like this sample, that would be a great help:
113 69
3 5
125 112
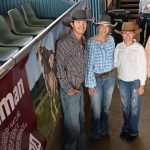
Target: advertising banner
18 129
29 98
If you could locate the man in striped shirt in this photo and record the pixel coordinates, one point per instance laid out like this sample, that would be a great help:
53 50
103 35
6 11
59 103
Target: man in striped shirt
71 57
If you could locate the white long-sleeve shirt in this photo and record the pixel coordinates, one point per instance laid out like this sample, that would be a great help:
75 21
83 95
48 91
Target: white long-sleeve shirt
131 62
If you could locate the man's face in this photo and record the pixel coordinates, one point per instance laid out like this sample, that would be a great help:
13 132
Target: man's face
128 36
79 26
104 29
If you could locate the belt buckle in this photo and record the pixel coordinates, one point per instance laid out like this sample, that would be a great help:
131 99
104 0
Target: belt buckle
103 76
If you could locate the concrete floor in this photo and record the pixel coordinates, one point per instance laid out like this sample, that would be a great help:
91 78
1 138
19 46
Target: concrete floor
114 142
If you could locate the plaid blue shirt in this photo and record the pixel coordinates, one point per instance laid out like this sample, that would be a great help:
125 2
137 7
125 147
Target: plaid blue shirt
100 59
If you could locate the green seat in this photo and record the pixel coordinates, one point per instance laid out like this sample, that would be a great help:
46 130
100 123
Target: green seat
7 52
31 19
19 26
7 38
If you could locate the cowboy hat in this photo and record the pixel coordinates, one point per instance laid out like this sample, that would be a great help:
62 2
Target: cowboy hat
76 15
129 26
104 19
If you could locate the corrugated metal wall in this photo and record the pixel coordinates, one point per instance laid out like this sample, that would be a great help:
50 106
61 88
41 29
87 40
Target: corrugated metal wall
97 8
54 8
43 8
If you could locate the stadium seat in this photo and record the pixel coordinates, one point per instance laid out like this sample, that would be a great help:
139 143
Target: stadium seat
31 19
7 52
19 26
7 38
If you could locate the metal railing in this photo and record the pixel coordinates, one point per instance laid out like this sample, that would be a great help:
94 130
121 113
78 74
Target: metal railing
26 49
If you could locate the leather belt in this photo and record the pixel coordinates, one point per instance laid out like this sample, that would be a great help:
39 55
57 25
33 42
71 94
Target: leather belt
105 74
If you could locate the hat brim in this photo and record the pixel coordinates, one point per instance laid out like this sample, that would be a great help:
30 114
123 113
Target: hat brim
104 22
66 21
137 31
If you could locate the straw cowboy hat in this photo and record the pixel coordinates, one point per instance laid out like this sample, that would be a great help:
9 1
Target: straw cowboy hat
104 19
76 15
129 26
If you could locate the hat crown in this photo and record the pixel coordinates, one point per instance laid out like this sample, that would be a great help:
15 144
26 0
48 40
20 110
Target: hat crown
105 18
79 15
128 26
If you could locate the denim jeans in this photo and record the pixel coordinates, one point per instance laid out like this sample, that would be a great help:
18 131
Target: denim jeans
131 104
100 104
144 19
73 111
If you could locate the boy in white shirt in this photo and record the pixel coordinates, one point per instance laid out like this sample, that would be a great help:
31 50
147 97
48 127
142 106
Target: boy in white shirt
131 64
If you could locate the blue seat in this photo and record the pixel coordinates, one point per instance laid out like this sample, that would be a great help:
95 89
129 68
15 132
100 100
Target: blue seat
7 38
7 52
19 26
31 19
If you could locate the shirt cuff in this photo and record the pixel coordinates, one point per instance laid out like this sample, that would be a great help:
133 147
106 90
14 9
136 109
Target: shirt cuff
68 89
142 83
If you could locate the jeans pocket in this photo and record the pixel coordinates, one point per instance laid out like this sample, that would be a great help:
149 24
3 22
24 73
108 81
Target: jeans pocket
135 84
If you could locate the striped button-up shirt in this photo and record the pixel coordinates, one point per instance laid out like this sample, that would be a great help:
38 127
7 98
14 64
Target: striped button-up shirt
100 59
70 61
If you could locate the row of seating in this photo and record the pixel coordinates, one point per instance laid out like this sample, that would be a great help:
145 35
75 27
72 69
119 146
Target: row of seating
31 19
19 26
24 29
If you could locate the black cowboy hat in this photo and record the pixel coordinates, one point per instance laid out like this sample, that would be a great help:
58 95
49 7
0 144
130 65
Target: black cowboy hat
76 15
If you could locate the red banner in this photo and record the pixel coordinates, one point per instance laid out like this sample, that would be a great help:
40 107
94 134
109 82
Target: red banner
18 129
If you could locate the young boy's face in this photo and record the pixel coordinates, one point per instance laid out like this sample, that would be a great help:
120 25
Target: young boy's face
128 35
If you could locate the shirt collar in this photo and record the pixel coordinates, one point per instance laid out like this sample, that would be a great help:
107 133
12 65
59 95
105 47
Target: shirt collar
74 39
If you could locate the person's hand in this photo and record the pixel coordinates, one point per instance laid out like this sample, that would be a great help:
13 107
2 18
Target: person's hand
73 92
91 91
140 90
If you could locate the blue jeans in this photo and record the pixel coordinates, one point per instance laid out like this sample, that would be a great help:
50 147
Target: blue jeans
144 19
131 104
73 111
100 104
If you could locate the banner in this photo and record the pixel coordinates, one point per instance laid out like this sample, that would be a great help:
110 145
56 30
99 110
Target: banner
43 83
18 129
29 98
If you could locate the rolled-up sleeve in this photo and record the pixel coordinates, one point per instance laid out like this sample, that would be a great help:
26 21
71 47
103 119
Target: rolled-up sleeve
142 65
90 80
116 57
